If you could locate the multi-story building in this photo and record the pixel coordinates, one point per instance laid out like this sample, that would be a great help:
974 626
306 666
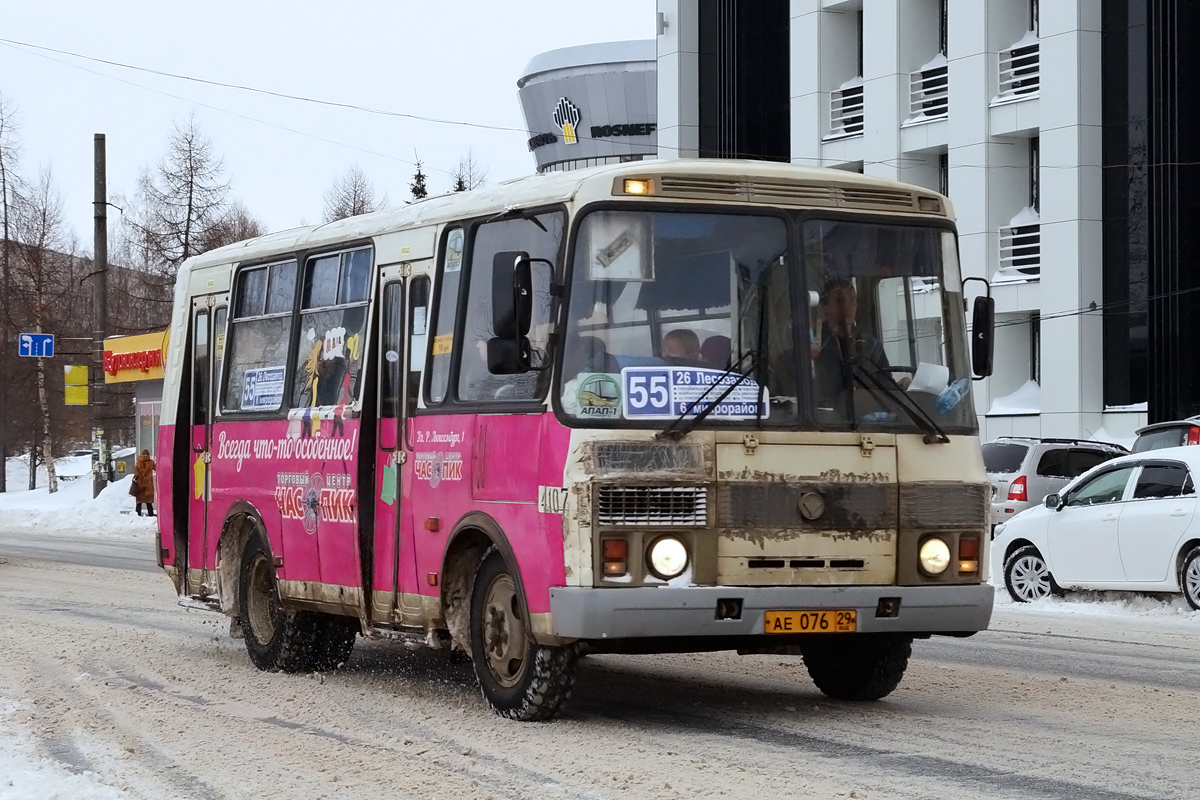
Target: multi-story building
1069 193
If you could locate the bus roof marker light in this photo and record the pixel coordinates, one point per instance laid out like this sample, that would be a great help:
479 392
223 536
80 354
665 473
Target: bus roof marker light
638 186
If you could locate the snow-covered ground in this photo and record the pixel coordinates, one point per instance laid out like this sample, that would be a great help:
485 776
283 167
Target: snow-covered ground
71 510
1107 604
24 774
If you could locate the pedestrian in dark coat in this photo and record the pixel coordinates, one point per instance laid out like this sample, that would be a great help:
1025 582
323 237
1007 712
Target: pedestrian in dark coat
143 482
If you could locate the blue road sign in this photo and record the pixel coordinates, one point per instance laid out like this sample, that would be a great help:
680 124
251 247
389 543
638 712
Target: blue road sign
36 345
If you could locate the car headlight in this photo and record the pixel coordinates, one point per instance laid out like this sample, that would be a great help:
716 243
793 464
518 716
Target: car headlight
934 556
668 557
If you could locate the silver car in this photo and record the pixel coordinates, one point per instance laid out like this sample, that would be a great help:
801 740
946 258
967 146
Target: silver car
1024 470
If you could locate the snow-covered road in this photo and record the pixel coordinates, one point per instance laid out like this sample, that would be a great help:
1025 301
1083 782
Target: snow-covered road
108 689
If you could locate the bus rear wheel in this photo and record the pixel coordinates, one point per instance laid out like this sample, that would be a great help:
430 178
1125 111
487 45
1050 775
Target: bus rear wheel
519 678
858 666
278 640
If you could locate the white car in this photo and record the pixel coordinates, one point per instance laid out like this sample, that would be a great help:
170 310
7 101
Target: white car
1129 524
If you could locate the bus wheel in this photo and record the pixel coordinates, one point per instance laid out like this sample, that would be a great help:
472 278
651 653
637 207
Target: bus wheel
276 639
519 678
862 666
334 641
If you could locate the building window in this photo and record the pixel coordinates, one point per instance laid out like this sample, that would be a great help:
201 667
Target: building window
1035 348
1035 167
943 28
944 174
1033 15
858 40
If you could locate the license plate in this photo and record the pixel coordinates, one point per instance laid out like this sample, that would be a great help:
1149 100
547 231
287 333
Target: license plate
825 621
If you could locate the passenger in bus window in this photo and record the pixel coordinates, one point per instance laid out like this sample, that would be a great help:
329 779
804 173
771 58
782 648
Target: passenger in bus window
716 351
681 343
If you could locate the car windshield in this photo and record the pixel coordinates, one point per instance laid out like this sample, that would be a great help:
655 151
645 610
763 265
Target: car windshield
1003 458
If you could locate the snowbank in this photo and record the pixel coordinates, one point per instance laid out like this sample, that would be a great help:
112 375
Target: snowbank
1108 604
70 510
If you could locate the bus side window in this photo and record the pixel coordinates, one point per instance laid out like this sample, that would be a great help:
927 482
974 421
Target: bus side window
260 329
449 280
539 236
200 377
218 355
393 319
418 333
333 319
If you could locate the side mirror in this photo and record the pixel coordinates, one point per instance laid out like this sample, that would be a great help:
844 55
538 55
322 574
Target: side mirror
512 294
1053 502
509 356
983 343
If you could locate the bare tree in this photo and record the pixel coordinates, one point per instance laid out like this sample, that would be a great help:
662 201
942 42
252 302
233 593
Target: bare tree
181 209
351 195
469 173
181 201
44 273
235 225
10 156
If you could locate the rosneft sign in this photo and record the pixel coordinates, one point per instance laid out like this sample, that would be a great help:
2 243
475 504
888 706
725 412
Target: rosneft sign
567 117
628 129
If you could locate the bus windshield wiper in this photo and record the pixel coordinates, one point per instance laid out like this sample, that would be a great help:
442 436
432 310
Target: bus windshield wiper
680 428
933 432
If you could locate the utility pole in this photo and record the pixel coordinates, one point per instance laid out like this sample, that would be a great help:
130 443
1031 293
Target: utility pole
99 320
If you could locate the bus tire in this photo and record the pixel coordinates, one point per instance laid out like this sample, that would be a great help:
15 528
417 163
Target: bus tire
859 666
334 641
519 678
278 640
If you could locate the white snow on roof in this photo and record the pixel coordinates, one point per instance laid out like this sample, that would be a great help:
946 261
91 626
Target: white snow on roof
1026 400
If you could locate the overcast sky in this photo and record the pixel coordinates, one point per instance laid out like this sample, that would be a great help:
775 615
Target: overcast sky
453 60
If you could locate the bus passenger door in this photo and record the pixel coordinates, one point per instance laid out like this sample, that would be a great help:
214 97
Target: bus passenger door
398 380
190 551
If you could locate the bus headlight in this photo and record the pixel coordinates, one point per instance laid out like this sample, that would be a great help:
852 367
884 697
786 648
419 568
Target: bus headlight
934 556
668 557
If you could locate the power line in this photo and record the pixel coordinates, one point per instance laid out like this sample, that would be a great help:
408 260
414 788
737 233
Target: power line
899 162
217 108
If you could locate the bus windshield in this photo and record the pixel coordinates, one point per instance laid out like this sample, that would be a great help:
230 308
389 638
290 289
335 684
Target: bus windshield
669 310
885 326
680 314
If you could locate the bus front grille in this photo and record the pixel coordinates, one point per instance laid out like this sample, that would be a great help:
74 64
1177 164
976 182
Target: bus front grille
660 506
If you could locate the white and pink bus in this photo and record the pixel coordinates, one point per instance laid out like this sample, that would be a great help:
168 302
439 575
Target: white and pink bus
665 406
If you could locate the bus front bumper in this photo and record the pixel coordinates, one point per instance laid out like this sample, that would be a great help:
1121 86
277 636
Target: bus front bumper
640 612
